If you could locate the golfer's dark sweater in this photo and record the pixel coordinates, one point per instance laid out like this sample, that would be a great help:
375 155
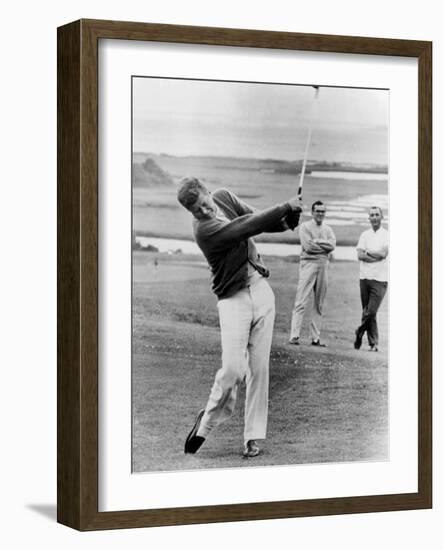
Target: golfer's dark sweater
225 244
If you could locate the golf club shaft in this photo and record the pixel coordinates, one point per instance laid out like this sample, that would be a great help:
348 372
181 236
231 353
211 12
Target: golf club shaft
308 143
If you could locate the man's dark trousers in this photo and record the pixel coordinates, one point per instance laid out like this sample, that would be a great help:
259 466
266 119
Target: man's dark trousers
372 293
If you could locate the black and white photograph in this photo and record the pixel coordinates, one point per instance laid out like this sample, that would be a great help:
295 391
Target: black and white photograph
260 253
141 125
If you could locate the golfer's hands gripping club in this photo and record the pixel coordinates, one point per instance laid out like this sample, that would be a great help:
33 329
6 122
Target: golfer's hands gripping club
296 204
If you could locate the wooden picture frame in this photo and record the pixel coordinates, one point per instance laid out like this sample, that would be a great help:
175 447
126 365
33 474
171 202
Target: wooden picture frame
77 456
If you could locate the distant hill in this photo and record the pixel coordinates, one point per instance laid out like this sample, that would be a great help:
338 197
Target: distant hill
295 167
149 174
270 165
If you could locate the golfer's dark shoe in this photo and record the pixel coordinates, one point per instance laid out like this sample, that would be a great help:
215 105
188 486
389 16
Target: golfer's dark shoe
318 344
193 441
295 341
373 348
358 340
251 449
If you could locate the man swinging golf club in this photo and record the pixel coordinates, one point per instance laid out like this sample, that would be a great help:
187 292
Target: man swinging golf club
223 226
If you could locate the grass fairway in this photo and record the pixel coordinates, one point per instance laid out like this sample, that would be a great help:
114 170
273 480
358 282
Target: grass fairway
326 405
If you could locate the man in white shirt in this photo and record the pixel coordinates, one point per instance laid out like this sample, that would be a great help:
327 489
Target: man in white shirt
372 251
317 242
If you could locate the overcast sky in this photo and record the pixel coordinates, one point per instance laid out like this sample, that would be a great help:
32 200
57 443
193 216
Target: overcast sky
184 117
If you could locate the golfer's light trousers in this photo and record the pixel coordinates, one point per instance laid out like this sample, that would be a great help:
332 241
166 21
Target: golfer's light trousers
246 323
313 277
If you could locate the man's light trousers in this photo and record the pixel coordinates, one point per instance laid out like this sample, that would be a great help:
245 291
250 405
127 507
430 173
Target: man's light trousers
246 323
313 277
